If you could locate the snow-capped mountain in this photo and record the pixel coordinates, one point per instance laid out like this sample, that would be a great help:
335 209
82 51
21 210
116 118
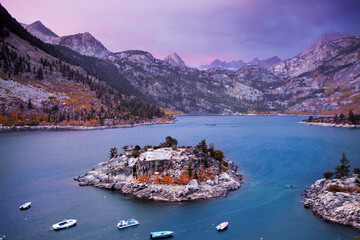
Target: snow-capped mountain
43 33
175 59
236 65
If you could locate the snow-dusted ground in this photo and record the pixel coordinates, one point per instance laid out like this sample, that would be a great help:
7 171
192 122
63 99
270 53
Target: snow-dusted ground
10 89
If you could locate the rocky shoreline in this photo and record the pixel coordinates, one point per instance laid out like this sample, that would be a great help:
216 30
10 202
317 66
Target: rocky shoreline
169 174
79 128
336 200
330 125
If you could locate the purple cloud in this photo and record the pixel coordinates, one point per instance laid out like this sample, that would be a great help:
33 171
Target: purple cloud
198 31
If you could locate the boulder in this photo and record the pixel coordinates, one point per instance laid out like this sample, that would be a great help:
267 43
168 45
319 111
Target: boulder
193 185
118 185
224 177
210 182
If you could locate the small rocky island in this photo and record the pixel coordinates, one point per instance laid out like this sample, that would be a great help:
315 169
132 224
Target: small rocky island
166 172
337 200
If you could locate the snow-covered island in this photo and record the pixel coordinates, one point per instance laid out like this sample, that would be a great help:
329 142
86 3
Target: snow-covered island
166 172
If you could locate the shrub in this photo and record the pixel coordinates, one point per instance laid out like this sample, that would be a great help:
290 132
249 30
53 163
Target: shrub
219 155
224 168
225 163
328 175
135 153
356 171
335 188
125 147
170 142
137 148
113 152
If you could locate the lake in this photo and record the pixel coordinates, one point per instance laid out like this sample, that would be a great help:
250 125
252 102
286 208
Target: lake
271 151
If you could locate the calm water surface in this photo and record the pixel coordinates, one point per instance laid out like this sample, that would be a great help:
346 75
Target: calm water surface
272 151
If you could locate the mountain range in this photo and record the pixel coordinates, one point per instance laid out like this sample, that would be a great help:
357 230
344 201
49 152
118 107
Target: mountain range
39 85
237 64
323 79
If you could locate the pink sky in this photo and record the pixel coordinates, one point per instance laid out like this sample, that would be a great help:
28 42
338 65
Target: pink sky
199 31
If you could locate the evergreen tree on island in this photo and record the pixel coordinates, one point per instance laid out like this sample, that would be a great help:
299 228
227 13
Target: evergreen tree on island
343 169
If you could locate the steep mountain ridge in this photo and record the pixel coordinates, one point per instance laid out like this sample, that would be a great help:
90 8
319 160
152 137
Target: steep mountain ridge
175 59
37 87
323 80
40 31
83 43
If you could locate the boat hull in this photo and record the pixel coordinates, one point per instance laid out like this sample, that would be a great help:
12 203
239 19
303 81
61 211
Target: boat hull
130 225
163 234
25 206
222 226
62 225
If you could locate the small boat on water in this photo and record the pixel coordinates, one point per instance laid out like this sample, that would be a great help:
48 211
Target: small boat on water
162 234
129 223
222 226
25 206
64 224
3 237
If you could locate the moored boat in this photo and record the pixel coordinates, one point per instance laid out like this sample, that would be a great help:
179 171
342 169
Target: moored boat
162 234
129 223
222 226
64 224
3 237
25 206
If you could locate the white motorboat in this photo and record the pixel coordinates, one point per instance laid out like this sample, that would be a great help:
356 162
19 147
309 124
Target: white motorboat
64 224
222 226
162 234
25 206
129 223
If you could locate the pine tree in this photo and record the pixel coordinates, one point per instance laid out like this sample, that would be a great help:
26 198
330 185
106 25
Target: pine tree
113 152
343 169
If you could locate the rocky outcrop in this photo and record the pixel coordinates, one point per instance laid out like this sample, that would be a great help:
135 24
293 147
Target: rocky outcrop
336 200
165 174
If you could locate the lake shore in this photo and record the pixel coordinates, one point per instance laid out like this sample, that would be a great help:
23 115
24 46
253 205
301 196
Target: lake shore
80 128
330 125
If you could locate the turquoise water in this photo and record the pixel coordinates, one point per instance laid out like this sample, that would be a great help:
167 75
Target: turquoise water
272 151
